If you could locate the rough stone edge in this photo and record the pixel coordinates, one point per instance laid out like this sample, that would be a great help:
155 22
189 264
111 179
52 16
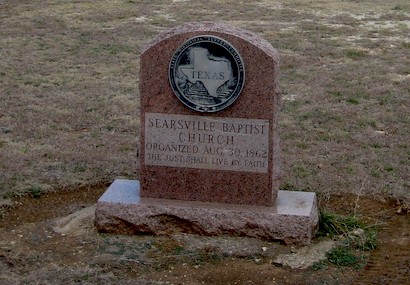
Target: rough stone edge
163 217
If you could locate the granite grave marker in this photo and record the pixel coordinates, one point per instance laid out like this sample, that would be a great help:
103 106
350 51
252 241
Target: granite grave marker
209 144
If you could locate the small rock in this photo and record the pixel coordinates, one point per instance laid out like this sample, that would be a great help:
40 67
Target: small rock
264 248
403 210
357 233
305 256
106 278
76 223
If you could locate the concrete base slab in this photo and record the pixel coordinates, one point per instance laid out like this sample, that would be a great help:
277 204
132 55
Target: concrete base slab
294 218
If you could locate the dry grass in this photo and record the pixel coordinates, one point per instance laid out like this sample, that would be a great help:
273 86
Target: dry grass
69 88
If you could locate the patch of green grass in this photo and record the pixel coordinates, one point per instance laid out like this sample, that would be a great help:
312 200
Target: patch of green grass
389 168
370 242
291 106
364 122
207 256
35 191
332 225
353 98
319 266
356 97
179 249
374 172
356 54
80 167
387 32
319 116
350 169
337 94
8 195
302 172
342 256
356 238
312 114
384 100
356 232
302 145
353 101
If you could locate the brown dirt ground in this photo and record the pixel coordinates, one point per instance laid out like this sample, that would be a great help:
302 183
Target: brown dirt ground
31 252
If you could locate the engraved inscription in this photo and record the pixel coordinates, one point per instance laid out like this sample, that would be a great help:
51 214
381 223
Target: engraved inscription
233 144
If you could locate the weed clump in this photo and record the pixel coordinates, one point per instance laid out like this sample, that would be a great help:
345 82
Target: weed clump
350 228
35 192
342 256
355 238
333 225
356 54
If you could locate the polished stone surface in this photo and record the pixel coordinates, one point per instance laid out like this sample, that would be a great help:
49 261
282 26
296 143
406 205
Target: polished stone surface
259 100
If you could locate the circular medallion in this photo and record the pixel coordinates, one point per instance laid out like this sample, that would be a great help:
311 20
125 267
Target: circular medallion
206 73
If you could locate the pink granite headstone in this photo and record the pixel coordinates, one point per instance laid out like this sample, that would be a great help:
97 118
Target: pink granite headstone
226 156
209 143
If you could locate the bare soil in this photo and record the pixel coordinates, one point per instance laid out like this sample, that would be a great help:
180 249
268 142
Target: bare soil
32 251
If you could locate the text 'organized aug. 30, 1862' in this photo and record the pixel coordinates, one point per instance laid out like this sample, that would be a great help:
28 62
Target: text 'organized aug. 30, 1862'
234 144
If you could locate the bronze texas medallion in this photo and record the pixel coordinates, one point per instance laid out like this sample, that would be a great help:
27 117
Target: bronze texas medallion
206 73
